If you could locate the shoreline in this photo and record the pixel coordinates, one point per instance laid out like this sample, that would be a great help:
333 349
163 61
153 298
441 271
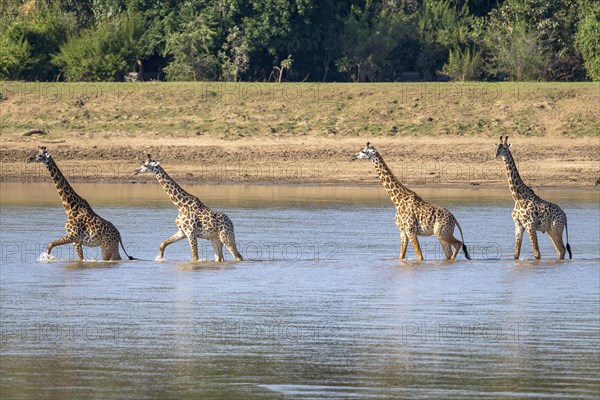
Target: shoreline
291 184
461 162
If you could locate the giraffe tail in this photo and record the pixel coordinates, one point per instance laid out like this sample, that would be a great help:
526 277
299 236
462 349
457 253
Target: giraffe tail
125 251
568 245
464 246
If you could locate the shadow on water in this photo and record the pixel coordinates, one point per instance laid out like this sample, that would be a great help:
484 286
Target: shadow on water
204 265
544 264
91 264
86 263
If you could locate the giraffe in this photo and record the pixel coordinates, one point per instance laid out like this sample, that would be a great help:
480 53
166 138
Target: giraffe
531 213
195 220
414 216
84 227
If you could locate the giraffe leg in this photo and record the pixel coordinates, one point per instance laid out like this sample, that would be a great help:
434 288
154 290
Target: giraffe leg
447 249
403 245
518 240
457 245
175 238
234 252
194 246
447 243
60 242
415 243
78 250
218 249
534 242
228 239
110 252
558 243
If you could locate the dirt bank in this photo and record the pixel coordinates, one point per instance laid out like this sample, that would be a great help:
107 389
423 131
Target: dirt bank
555 162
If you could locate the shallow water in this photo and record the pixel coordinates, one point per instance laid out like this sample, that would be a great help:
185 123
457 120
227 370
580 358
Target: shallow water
321 308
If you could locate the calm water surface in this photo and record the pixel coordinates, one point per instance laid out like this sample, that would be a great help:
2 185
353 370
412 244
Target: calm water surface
321 308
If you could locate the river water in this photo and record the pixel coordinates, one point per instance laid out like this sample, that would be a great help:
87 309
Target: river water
320 308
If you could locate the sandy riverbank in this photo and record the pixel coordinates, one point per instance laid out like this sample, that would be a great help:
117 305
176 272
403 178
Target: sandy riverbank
555 162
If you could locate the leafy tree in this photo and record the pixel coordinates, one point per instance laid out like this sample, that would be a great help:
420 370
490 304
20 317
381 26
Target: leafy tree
235 55
588 44
521 53
284 65
81 10
361 40
553 24
103 52
191 50
479 8
442 26
318 39
37 30
366 44
14 54
406 45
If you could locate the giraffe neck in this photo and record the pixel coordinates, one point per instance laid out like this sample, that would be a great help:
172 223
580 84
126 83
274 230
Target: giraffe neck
518 189
70 199
392 185
178 196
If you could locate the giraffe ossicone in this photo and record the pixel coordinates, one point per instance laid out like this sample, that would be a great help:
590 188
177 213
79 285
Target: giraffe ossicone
84 227
195 220
414 216
532 213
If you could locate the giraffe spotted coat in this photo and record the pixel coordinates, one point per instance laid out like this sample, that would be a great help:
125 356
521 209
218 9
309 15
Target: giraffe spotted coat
84 227
531 213
414 216
195 220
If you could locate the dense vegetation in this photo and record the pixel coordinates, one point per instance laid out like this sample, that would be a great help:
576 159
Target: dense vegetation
300 40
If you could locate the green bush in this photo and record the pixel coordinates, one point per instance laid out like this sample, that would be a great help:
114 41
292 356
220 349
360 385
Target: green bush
27 41
102 53
14 55
463 65
442 26
587 42
191 51
367 40
518 52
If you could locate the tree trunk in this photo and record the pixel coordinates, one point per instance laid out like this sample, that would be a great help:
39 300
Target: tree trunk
140 68
326 61
279 73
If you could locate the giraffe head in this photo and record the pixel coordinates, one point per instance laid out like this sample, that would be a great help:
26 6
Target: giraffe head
368 153
41 156
502 148
149 165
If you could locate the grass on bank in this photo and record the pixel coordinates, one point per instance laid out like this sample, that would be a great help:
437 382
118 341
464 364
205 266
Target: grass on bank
235 110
